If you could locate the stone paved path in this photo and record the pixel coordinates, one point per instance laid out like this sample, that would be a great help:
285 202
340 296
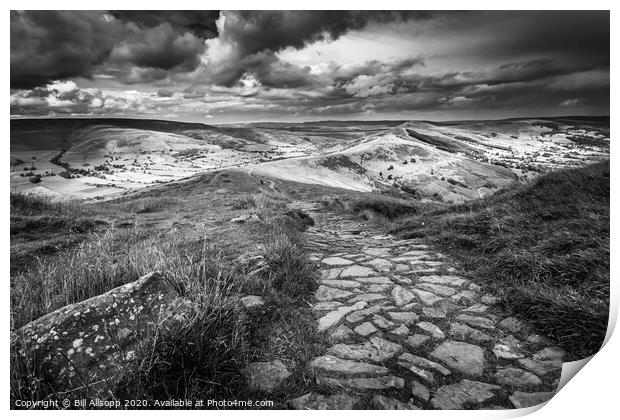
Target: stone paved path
410 332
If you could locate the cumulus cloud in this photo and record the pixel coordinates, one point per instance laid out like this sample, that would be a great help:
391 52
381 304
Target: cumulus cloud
159 47
212 63
51 45
248 40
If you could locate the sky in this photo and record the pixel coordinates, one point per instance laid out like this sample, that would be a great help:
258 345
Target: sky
243 66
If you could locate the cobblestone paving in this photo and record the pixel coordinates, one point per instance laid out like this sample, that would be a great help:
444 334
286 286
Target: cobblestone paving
410 332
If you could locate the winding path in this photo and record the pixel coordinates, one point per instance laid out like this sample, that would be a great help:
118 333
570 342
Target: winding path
410 332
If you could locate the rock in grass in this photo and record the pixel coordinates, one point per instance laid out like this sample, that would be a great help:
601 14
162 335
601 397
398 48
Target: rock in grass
90 342
266 376
251 301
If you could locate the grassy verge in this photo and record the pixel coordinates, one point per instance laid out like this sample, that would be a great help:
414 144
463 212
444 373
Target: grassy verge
205 358
543 247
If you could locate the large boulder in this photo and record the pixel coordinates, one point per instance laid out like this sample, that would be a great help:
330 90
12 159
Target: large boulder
84 346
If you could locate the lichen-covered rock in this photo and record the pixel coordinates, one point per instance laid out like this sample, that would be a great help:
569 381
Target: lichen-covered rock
86 344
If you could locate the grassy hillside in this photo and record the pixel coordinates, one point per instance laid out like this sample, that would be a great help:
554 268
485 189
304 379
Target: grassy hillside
62 253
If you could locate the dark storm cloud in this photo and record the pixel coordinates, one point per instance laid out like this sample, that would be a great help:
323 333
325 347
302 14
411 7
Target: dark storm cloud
201 23
520 62
160 47
255 31
53 45
49 45
256 36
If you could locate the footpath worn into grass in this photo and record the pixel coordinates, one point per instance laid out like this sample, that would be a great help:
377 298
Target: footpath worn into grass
409 331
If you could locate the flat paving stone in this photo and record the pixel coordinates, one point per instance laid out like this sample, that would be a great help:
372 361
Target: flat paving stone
431 329
464 357
512 324
464 296
330 293
332 273
381 264
341 284
478 308
357 271
517 378
424 363
367 297
508 348
454 281
541 368
377 252
341 333
476 321
335 316
402 296
418 390
365 329
313 401
375 350
401 330
327 305
426 297
382 382
374 280
378 288
462 332
529 399
381 402
381 322
434 312
408 318
336 261
457 396
336 365
358 316
416 340
550 354
437 289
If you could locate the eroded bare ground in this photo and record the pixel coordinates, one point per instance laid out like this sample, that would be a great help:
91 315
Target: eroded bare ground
408 331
